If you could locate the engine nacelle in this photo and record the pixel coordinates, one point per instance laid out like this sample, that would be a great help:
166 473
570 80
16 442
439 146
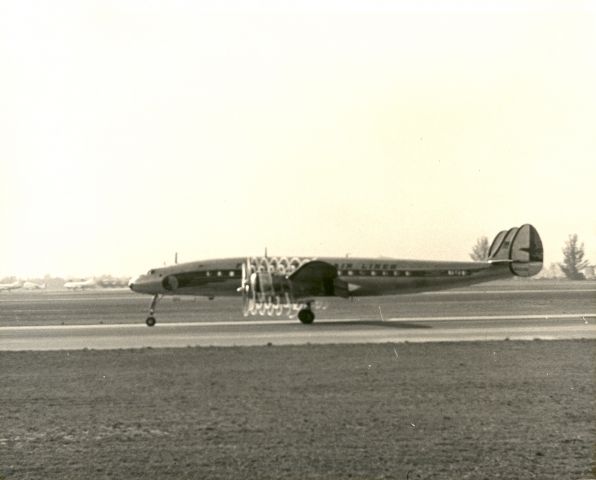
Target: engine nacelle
266 288
266 283
170 283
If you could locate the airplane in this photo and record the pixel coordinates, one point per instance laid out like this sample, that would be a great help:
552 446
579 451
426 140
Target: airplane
34 286
289 285
80 285
10 286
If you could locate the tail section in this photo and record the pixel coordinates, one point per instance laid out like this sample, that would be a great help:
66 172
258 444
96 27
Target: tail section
521 248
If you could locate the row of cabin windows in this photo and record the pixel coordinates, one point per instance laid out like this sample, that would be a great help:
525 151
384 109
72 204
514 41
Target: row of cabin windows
405 273
387 270
221 273
371 273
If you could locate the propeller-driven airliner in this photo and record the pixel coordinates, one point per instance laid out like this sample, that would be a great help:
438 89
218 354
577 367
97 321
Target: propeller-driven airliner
289 285
34 286
10 286
80 284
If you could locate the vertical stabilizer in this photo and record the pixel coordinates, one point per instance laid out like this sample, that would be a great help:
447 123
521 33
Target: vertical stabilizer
496 243
526 252
501 251
521 248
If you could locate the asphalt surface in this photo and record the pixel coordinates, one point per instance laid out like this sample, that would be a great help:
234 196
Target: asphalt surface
101 319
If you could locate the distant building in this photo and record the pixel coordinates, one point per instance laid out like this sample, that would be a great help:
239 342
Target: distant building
108 281
589 272
551 272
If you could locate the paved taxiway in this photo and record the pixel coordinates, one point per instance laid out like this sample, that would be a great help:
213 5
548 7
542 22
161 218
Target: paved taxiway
103 319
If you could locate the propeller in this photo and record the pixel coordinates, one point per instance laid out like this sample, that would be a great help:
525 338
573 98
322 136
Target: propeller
246 287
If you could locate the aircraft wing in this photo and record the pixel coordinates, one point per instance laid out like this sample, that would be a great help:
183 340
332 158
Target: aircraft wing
317 279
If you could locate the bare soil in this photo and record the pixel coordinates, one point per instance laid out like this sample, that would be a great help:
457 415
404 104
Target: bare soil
486 410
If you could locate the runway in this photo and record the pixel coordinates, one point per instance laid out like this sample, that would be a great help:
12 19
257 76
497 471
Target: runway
115 320
287 332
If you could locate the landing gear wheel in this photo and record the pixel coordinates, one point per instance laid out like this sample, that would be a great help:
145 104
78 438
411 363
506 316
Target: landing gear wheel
306 316
150 321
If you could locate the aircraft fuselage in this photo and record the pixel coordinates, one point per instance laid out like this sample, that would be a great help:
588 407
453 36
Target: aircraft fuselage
282 285
364 276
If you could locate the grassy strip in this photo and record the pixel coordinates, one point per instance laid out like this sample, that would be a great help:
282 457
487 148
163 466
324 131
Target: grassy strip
449 410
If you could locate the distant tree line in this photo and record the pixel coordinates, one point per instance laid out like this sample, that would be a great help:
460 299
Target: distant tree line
480 250
573 259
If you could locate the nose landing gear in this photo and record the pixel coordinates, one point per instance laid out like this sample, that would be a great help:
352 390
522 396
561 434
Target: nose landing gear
150 321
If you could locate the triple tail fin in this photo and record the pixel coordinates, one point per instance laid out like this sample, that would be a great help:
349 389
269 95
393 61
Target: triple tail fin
521 248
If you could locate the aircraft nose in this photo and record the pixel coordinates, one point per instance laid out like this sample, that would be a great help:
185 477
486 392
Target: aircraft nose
146 283
131 283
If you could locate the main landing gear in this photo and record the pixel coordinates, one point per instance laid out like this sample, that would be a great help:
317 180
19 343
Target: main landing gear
150 321
306 315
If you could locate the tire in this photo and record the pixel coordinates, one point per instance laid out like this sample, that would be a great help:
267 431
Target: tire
306 316
150 321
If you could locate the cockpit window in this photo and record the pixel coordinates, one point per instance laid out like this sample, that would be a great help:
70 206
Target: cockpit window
151 272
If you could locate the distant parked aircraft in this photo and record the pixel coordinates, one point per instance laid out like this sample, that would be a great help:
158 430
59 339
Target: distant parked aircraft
10 286
34 286
80 285
285 285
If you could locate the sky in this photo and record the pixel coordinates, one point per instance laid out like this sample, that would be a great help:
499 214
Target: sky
134 129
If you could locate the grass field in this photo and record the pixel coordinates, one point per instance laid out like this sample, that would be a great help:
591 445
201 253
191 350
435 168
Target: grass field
485 410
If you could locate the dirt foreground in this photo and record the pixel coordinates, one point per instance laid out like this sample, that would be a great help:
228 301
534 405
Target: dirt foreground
485 410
